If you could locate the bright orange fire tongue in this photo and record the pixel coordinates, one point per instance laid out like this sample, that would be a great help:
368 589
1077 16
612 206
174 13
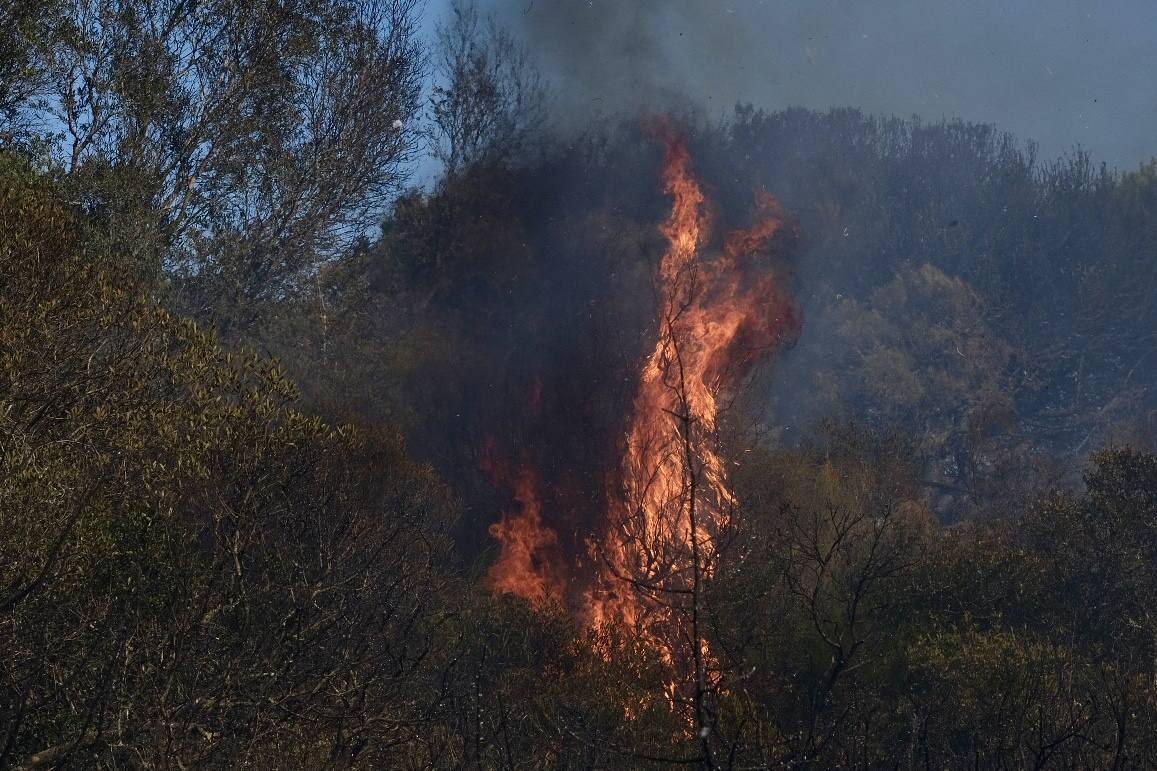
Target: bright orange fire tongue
670 502
529 563
717 319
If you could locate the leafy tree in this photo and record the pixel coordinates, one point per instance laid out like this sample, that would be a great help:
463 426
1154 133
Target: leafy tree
191 569
26 40
920 355
1035 649
238 145
811 609
489 102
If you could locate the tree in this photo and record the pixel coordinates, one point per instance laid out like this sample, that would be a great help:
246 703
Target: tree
191 569
920 354
1037 641
489 99
1005 699
236 145
27 30
811 604
1097 551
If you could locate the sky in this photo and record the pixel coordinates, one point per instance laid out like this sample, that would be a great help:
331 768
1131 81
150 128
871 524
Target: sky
1058 72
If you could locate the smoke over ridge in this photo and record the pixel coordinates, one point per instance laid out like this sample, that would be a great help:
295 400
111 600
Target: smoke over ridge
1060 73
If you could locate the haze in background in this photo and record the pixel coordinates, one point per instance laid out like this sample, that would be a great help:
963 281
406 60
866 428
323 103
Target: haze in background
1059 72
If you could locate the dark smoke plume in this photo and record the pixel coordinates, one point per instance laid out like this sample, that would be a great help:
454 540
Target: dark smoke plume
650 56
1061 73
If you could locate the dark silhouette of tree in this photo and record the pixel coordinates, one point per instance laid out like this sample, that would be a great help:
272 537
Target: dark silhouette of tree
489 102
235 145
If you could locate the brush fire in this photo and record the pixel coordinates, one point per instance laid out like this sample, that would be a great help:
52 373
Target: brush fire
721 312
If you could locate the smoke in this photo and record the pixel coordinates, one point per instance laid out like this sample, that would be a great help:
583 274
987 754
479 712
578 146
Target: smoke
649 56
543 273
1062 72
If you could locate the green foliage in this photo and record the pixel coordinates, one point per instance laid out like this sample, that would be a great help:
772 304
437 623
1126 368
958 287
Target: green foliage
854 634
232 146
181 542
1005 700
816 603
196 570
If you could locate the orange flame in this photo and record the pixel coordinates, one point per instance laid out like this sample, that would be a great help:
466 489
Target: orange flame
673 504
670 503
530 563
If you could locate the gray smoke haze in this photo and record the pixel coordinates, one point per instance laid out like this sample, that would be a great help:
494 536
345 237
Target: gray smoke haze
1056 71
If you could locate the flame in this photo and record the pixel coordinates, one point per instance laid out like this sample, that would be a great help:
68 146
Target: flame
530 563
673 505
670 504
